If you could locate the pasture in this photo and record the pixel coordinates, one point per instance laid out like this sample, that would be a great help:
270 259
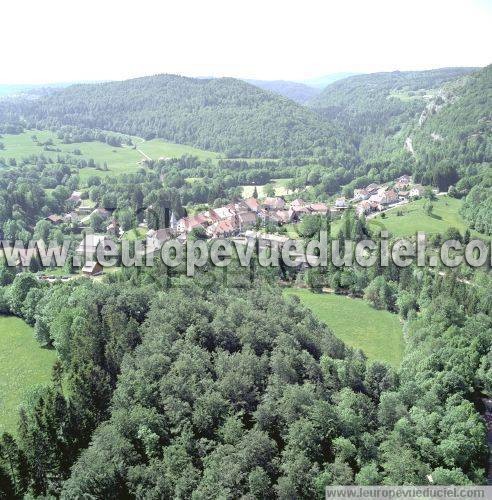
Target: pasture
23 366
413 218
159 149
377 333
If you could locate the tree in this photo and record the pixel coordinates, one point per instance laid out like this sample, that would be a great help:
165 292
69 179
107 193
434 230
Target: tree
22 285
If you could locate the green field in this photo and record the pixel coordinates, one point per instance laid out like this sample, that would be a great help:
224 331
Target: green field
159 149
444 215
23 365
279 185
119 159
377 333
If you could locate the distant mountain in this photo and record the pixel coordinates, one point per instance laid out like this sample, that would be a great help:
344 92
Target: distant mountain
298 92
321 82
222 114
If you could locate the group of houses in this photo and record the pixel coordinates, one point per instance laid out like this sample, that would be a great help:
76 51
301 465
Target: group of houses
242 215
376 197
239 217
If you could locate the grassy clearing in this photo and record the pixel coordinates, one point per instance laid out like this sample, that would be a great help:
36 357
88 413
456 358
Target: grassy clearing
119 159
23 366
444 215
135 234
377 333
279 185
158 148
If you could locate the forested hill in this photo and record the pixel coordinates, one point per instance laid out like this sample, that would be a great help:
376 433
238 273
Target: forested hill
377 108
454 137
224 114
298 92
374 93
457 124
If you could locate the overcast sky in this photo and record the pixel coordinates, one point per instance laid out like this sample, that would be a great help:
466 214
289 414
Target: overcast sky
60 40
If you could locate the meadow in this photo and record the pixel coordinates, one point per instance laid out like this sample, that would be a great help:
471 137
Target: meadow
23 367
158 149
413 218
279 186
377 333
120 160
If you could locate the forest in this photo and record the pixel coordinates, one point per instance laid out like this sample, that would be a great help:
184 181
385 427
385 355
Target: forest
225 115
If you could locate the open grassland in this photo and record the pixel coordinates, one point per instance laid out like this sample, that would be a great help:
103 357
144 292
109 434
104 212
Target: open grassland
118 159
445 214
279 185
23 366
413 218
377 333
159 149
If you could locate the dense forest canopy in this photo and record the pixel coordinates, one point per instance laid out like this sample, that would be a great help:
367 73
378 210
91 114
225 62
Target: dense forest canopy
224 114
376 107
298 92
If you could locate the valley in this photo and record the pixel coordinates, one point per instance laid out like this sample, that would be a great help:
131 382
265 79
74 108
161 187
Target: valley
197 375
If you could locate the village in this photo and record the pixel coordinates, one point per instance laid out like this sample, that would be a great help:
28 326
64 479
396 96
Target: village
246 218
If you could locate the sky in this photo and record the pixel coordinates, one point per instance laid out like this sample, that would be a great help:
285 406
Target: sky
87 40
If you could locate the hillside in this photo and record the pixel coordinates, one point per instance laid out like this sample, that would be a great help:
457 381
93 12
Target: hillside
298 92
224 114
376 107
456 125
320 82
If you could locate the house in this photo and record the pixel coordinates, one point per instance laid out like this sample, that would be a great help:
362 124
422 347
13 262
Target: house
416 191
54 219
341 203
364 207
372 189
102 212
252 204
225 212
223 228
71 217
389 197
157 238
283 216
114 229
403 195
75 197
405 180
89 244
318 208
187 224
92 269
246 220
298 203
360 194
296 213
274 203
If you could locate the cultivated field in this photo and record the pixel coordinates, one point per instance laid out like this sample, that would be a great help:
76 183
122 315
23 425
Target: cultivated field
23 366
377 333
